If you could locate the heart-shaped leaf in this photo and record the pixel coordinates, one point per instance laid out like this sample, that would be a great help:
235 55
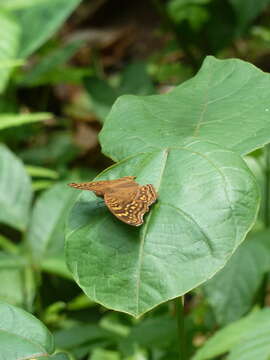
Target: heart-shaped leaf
22 336
227 103
15 190
208 200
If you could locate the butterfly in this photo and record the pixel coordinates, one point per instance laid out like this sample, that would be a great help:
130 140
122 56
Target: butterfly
125 198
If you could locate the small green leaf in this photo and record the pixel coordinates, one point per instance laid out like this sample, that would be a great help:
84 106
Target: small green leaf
247 10
15 190
73 337
207 202
232 290
100 354
39 171
11 289
159 331
9 42
56 266
22 336
246 339
57 58
19 4
11 120
45 18
103 95
46 231
134 80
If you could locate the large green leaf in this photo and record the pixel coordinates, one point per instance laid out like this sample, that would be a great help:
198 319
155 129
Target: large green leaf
9 42
208 200
232 290
22 336
246 339
227 103
45 18
15 190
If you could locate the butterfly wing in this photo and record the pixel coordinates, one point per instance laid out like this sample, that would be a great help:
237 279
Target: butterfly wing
100 187
97 186
132 208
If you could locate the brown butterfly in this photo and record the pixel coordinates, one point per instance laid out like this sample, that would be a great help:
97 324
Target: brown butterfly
126 199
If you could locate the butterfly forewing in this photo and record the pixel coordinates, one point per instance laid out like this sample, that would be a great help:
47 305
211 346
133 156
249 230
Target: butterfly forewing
126 199
100 187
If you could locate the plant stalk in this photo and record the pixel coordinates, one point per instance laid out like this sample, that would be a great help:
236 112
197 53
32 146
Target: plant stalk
179 309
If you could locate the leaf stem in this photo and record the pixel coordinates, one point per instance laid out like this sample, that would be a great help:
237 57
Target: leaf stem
179 309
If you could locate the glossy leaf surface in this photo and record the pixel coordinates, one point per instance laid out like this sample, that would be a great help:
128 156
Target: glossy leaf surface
208 200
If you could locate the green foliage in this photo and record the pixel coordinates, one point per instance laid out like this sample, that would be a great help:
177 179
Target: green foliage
22 335
191 143
177 236
134 80
45 18
15 189
245 339
247 10
189 10
11 120
231 292
9 42
48 227
46 71
180 172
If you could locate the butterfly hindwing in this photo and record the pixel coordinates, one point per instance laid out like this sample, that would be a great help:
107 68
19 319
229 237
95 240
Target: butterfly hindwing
131 210
125 198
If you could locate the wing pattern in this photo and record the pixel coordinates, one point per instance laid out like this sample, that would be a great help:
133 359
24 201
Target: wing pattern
131 211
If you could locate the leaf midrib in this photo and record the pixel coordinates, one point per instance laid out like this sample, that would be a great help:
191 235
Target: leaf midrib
144 233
